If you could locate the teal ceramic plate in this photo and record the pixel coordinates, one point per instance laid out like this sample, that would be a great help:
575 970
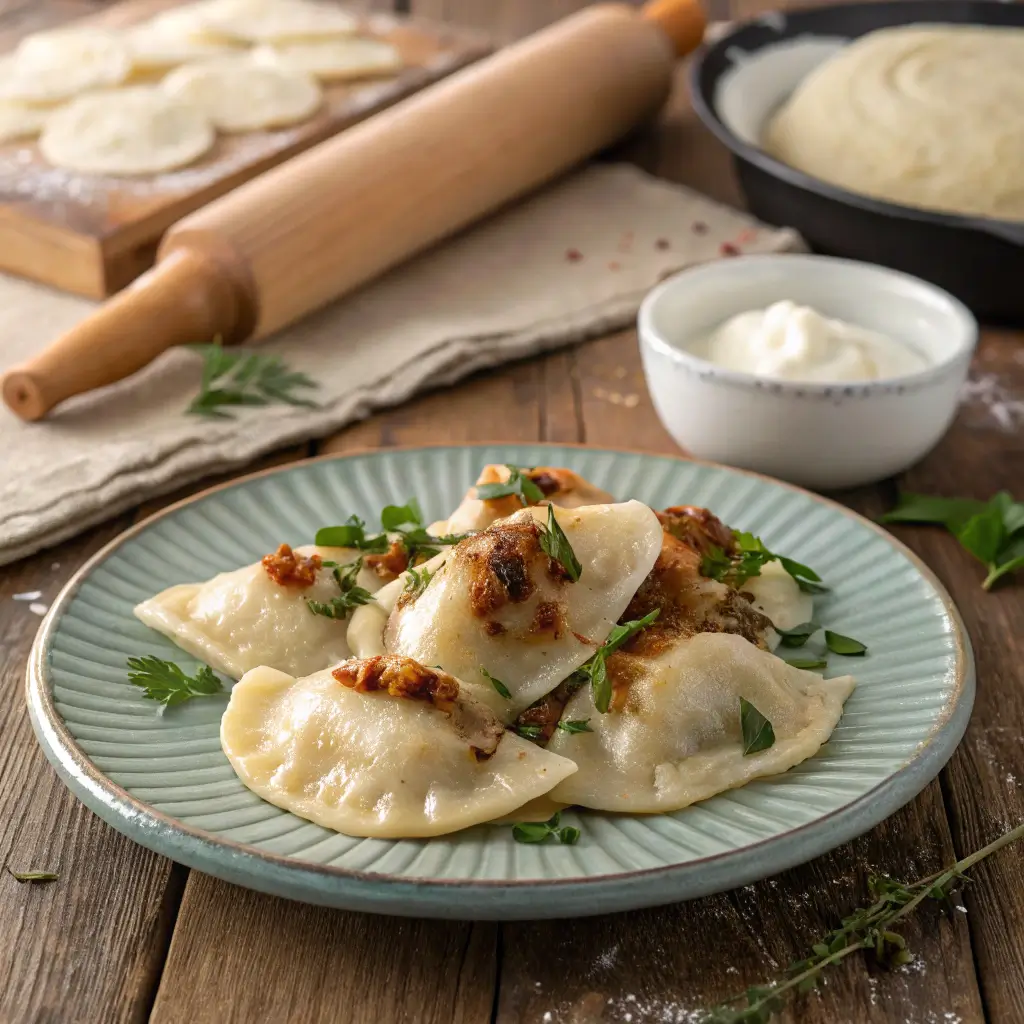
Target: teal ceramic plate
161 778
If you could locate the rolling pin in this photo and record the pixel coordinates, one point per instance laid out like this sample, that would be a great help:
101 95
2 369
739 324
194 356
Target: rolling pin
325 222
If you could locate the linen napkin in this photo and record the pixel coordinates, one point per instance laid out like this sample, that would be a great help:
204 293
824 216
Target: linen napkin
571 262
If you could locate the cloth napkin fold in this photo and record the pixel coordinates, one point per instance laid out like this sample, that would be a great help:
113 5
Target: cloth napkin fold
572 262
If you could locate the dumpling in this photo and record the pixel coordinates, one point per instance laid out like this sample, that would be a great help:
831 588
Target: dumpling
259 615
561 487
381 747
672 735
501 609
776 595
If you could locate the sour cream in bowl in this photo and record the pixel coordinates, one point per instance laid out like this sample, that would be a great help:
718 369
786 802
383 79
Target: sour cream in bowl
826 372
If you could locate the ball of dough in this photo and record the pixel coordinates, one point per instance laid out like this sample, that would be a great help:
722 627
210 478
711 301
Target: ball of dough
238 95
126 131
263 21
49 67
333 60
925 116
20 121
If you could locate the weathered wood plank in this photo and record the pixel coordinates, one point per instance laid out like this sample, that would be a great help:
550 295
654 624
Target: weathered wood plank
88 947
241 956
984 783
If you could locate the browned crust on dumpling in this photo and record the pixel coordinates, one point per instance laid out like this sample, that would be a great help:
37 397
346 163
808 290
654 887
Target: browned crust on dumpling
288 569
392 563
697 527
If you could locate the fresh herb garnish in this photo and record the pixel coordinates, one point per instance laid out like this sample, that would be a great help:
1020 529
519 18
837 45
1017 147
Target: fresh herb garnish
758 733
352 534
518 485
245 378
868 928
530 732
992 531
808 663
540 831
168 684
394 517
417 582
496 683
595 669
576 725
351 596
798 635
747 560
556 546
36 877
845 645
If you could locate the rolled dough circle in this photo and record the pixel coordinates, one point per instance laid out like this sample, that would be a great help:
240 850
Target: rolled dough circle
238 95
20 121
157 45
333 60
263 21
49 67
126 131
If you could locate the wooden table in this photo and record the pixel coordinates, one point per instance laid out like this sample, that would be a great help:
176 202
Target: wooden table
125 935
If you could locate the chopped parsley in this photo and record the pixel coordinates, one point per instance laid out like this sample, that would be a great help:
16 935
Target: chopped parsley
351 596
168 684
518 485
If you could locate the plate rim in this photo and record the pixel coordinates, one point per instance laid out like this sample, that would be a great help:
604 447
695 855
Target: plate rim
355 889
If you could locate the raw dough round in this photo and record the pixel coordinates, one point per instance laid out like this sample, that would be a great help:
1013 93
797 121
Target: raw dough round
164 43
19 121
333 60
264 21
930 117
238 95
126 131
52 66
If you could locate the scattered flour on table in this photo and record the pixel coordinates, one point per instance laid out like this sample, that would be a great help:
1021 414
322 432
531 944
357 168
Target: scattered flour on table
990 393
29 595
36 608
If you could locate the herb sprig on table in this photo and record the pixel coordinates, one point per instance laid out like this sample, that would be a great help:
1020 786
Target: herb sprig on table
749 557
237 378
35 877
869 928
992 531
168 683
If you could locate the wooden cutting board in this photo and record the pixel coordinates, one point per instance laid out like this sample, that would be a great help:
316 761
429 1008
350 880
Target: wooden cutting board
93 234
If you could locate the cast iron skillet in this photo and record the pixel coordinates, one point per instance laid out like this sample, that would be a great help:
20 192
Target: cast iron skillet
979 260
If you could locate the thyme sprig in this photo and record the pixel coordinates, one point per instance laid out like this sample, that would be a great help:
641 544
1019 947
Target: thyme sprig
869 928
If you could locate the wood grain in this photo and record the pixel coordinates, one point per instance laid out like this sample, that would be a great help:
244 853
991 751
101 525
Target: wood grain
91 235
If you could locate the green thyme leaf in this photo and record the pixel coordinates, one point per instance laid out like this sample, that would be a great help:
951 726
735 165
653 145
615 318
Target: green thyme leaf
530 732
845 645
575 725
167 683
808 663
798 635
757 731
556 546
496 683
518 485
541 831
237 378
351 534
36 877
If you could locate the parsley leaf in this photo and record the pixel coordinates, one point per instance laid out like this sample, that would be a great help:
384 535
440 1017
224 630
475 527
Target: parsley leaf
530 732
798 635
992 531
758 733
541 831
808 663
595 668
845 645
167 683
750 556
556 546
394 517
244 379
351 534
417 582
518 485
351 596
575 725
496 683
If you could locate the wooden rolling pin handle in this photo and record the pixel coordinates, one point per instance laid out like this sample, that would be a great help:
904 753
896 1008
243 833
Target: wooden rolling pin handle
187 297
682 21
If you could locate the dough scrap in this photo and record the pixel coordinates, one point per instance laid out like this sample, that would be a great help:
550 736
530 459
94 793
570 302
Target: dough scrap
264 21
127 131
20 121
49 67
333 60
238 95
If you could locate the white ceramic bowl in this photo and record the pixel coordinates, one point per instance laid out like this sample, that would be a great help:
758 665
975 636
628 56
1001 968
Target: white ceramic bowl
821 435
